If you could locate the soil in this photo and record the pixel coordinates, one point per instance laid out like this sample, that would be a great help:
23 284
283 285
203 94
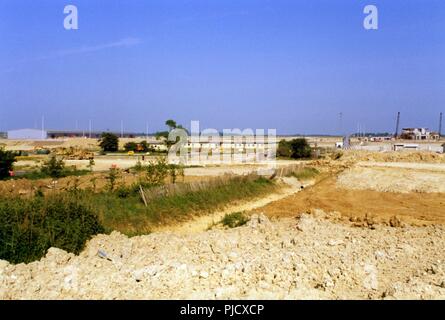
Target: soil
312 257
358 205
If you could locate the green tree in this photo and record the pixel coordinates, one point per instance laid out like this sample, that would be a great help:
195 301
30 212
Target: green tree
7 158
131 146
53 167
109 142
284 149
300 148
171 124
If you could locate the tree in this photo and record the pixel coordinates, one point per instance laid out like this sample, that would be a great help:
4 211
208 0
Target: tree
53 167
7 158
171 124
295 148
284 149
300 148
131 146
109 142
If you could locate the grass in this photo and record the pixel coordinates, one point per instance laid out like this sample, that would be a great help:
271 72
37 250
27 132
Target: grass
29 227
235 219
67 219
305 173
30 158
130 216
38 174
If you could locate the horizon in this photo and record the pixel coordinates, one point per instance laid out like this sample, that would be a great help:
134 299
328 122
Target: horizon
293 66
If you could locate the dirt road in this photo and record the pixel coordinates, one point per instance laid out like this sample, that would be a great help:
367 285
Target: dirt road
289 186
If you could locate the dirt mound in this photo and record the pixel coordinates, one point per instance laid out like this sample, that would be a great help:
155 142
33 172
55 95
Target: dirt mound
312 257
394 156
392 180
414 208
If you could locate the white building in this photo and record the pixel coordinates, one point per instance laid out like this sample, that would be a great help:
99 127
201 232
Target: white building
418 134
27 134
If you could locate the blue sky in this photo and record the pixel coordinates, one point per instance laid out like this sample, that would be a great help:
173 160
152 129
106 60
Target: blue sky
290 65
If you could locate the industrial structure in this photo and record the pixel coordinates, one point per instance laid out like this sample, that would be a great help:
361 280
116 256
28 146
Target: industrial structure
419 134
27 134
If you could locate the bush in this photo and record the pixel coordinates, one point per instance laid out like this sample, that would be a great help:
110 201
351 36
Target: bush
7 158
109 142
235 219
131 146
305 173
295 149
300 148
155 173
53 167
123 192
284 149
29 227
113 175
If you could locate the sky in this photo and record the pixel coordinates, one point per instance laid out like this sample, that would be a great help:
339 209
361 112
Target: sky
293 66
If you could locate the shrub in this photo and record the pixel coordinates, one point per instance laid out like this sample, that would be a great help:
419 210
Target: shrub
305 173
123 192
91 164
29 227
155 172
300 148
7 158
284 149
174 171
235 219
113 175
131 146
53 167
109 142
295 148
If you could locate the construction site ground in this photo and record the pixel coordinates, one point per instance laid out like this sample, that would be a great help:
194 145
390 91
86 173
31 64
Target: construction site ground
371 226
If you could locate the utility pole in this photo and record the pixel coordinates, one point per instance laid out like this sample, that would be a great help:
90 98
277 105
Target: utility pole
89 128
122 128
340 115
146 131
397 125
440 125
43 127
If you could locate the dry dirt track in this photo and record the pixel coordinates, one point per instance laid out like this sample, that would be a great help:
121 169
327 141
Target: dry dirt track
289 186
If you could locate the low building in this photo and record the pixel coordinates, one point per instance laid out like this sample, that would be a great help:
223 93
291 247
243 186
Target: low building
27 134
418 134
380 139
405 146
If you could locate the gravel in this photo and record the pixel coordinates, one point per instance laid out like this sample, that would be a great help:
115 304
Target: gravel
309 257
